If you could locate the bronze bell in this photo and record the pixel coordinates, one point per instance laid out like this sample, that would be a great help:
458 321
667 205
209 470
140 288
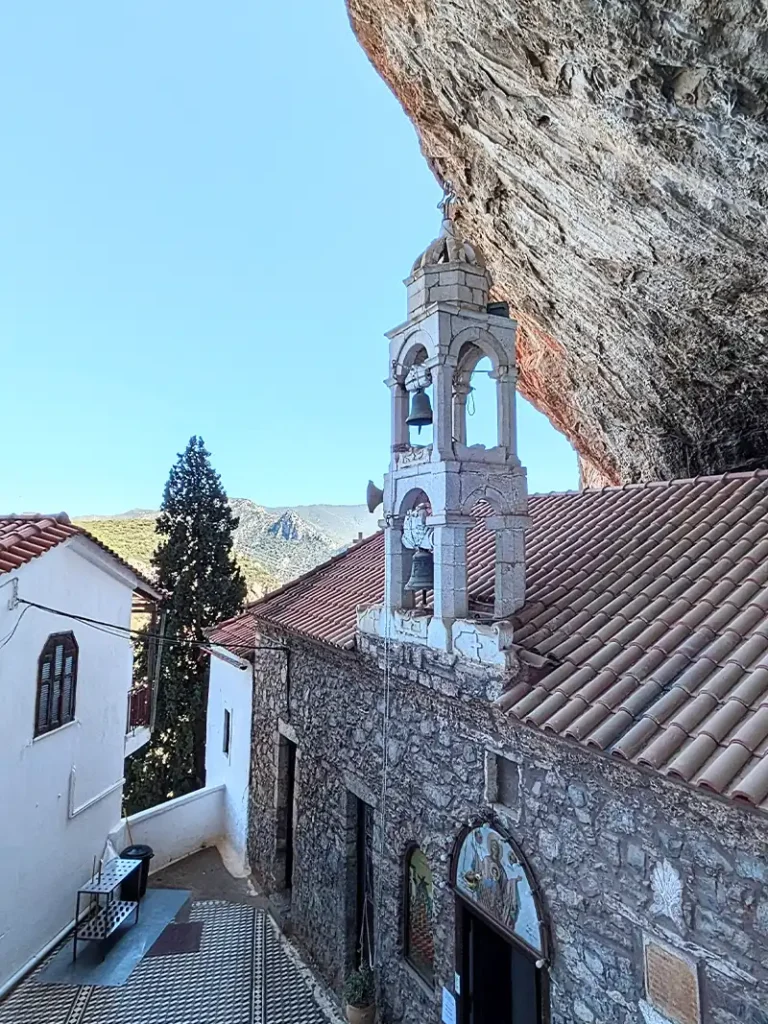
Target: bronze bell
422 571
421 410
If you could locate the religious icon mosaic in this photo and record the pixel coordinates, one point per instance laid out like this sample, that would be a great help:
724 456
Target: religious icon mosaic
489 873
420 945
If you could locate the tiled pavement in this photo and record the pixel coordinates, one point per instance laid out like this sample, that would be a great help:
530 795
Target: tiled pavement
242 974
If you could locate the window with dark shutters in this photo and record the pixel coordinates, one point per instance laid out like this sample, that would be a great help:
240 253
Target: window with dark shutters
56 683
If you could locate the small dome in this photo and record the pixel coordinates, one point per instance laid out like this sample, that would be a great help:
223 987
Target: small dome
450 247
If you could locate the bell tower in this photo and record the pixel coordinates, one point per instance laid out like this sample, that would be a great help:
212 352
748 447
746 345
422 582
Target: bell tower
433 487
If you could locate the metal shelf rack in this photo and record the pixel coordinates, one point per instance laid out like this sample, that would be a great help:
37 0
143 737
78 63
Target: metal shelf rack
105 913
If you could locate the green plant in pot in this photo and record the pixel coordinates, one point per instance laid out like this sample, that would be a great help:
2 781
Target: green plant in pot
359 995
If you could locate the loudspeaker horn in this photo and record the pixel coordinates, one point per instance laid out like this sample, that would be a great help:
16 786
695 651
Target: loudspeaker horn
373 496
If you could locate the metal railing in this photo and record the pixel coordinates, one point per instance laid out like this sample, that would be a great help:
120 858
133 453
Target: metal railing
139 706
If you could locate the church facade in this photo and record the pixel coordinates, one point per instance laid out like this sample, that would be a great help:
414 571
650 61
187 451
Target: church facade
512 751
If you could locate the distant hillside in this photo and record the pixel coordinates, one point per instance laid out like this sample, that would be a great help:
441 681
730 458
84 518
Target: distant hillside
341 523
135 540
282 541
273 545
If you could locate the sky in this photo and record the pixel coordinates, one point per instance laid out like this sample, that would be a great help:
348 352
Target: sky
207 213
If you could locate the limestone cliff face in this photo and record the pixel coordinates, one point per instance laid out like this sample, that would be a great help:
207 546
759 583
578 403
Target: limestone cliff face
610 156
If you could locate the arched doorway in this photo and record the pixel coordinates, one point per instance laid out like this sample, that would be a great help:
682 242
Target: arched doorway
500 933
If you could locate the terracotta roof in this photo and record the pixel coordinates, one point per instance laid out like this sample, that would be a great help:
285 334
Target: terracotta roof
23 538
651 602
321 603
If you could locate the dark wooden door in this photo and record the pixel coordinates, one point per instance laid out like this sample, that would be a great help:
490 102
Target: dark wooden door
364 924
500 982
526 988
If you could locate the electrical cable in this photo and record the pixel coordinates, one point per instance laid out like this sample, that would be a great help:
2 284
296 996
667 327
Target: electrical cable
115 629
7 639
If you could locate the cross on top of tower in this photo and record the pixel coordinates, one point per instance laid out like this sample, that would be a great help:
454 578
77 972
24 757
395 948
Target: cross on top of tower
449 200
450 246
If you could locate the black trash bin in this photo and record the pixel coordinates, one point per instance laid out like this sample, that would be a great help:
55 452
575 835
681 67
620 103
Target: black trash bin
135 885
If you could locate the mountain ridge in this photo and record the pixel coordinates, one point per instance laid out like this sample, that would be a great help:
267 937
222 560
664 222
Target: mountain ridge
272 545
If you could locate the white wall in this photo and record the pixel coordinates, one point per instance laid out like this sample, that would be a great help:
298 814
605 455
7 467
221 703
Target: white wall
230 689
44 853
177 828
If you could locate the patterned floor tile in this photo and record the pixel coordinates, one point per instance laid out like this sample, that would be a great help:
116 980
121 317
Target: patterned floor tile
240 975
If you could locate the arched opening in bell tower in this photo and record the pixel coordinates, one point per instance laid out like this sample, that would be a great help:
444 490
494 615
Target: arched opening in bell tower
412 396
417 564
480 407
418 385
483 392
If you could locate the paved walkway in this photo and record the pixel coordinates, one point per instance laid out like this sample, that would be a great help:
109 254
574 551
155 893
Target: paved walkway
243 973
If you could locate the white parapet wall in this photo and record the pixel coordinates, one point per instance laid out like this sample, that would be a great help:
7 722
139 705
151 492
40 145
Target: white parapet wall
177 828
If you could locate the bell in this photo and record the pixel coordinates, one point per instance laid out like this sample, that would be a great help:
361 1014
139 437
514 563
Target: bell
422 571
421 411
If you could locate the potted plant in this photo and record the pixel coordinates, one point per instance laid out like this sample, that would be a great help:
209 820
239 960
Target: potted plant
358 996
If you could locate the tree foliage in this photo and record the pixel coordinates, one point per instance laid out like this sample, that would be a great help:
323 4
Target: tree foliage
202 584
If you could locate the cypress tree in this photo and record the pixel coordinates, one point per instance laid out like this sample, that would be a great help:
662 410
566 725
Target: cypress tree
203 584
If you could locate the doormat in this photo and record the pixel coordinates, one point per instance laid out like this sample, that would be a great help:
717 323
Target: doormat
178 938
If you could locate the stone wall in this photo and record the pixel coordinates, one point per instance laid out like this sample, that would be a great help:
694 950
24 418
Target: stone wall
605 841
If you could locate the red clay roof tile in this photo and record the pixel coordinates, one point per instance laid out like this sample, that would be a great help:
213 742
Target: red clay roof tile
753 731
753 688
664 744
754 786
667 704
650 600
26 537
691 757
723 769
694 712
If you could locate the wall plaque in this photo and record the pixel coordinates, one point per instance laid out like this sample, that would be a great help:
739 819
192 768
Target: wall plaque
672 984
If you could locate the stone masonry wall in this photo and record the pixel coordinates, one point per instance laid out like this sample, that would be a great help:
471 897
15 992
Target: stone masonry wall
594 831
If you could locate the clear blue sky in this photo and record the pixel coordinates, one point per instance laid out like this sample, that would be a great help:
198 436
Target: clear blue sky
207 212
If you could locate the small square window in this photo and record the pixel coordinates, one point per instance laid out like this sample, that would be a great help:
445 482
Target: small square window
506 782
502 780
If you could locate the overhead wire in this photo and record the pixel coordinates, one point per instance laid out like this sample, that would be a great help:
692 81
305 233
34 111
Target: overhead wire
7 638
117 629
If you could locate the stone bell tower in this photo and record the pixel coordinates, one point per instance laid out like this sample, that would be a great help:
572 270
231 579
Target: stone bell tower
450 328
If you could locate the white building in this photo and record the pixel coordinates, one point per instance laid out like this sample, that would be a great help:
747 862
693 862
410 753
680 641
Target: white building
70 718
228 751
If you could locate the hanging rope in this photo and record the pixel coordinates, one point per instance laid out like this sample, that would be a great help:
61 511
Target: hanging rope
379 883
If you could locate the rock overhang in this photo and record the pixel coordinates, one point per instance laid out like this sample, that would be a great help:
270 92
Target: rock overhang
608 159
